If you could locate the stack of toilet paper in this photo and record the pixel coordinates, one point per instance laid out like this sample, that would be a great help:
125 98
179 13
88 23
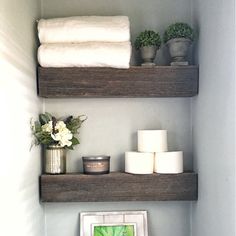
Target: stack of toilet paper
153 155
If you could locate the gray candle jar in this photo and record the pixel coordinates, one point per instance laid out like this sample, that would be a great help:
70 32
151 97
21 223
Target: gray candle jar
96 165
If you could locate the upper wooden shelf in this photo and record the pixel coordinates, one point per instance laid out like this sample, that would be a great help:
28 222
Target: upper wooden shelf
118 186
159 81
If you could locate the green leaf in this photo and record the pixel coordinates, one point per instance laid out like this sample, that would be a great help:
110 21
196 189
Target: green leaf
49 116
37 126
43 119
97 231
70 147
130 230
104 231
74 141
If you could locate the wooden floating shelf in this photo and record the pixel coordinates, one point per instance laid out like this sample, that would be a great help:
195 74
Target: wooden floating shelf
159 81
118 186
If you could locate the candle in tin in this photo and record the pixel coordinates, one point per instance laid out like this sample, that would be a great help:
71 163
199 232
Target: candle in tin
95 165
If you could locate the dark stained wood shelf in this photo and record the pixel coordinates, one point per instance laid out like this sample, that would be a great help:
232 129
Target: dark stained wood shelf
159 81
118 186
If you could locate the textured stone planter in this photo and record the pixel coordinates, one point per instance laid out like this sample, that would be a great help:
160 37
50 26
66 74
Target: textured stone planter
178 49
148 54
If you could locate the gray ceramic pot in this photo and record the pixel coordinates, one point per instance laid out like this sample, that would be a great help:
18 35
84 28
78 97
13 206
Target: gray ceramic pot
148 54
178 49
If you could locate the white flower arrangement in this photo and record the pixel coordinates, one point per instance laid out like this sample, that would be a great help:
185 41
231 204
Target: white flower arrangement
50 131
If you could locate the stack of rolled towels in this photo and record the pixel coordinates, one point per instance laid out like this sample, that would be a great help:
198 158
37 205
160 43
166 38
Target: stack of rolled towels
85 41
153 155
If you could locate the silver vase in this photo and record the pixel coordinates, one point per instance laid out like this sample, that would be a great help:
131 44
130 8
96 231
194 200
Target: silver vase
55 160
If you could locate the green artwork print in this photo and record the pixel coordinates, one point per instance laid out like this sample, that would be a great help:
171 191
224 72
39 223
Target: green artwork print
114 230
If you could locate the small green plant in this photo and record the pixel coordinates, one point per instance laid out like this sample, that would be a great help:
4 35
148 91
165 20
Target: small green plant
178 30
148 38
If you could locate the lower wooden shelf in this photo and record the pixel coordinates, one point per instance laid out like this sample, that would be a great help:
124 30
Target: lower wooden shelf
118 186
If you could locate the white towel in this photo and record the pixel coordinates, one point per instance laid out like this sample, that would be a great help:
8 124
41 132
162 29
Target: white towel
90 54
84 28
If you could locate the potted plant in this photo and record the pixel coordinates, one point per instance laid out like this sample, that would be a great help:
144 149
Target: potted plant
148 42
178 37
56 135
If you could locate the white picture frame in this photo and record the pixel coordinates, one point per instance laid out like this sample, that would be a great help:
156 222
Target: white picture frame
90 219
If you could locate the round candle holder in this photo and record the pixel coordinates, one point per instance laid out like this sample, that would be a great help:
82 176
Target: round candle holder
96 165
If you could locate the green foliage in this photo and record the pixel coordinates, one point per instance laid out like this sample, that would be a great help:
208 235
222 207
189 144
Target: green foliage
178 30
43 138
148 38
116 230
45 118
73 124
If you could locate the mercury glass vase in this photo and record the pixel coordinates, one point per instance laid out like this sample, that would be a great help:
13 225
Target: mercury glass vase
55 160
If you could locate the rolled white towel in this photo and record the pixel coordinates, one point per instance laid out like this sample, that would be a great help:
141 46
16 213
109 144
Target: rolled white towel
84 28
90 54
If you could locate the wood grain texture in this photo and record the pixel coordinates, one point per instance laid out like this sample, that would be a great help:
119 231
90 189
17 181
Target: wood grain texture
159 81
118 186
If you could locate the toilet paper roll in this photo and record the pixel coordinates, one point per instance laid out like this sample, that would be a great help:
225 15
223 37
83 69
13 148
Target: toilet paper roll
169 162
152 141
139 163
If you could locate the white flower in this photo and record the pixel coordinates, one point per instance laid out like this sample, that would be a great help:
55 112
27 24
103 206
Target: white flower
47 127
64 136
60 126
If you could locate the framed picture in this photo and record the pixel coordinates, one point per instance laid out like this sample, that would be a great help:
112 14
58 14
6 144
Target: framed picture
114 223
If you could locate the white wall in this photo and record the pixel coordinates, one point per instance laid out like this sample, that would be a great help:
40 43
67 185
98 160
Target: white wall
21 213
112 123
214 119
